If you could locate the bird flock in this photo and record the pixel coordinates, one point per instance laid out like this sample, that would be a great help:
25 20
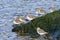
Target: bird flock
29 17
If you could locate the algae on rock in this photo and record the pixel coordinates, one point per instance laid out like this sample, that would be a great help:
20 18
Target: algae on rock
49 22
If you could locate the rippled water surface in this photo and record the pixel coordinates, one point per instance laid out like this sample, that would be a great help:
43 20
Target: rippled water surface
11 8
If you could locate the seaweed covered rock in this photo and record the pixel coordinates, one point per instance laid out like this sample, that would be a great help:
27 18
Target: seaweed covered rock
49 22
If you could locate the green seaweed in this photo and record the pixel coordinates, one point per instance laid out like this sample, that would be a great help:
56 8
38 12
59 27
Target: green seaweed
49 22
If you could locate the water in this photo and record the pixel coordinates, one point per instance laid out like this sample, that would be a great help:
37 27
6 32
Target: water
11 8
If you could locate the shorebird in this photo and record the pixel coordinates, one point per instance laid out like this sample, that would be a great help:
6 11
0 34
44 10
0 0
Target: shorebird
22 19
30 17
52 9
41 31
16 21
40 11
